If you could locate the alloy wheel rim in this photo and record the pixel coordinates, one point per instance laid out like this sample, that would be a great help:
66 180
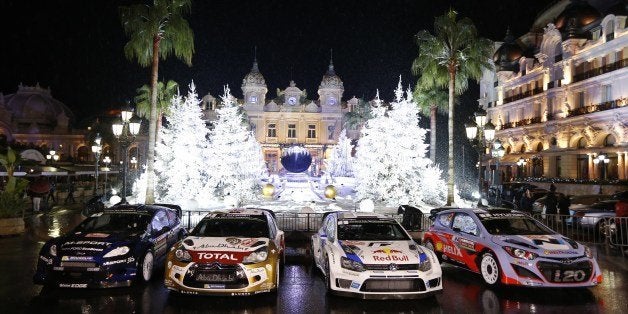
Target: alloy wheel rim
489 269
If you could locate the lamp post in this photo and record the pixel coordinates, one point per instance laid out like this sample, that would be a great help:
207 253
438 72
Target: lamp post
603 160
96 149
498 152
106 161
125 130
481 133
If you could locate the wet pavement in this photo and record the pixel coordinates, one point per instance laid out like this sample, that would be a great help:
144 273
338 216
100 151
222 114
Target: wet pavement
301 288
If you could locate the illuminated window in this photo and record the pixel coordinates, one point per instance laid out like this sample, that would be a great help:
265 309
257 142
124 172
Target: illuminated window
272 130
311 131
292 130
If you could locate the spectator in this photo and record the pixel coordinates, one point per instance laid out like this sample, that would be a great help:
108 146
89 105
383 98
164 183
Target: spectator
70 196
525 204
51 193
563 208
551 203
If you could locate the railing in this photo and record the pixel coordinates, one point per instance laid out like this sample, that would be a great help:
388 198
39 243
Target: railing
523 95
601 70
595 108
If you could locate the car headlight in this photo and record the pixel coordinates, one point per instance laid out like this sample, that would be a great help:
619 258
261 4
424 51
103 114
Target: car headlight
183 255
351 264
587 252
520 253
425 265
259 255
117 251
53 250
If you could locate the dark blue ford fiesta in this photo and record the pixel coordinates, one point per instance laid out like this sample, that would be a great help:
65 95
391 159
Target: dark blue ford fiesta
116 247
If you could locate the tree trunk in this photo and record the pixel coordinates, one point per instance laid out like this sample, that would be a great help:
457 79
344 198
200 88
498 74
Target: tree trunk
152 127
450 170
160 117
433 110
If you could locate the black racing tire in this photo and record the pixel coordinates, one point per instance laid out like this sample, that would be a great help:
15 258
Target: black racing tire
146 267
490 269
327 276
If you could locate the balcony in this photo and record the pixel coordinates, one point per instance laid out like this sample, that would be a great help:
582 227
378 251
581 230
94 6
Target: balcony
601 70
597 107
520 123
523 95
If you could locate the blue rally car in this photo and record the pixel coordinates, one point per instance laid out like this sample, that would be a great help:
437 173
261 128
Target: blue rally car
112 248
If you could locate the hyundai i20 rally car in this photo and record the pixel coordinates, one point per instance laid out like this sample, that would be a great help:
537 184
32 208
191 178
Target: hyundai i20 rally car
111 248
509 247
238 252
370 256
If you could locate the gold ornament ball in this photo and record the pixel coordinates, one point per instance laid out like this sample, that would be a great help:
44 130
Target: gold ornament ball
330 191
268 190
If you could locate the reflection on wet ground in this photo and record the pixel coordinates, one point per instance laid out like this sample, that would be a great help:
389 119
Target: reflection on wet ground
301 289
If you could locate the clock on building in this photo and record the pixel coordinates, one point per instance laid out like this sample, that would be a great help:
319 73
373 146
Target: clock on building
331 101
253 99
292 100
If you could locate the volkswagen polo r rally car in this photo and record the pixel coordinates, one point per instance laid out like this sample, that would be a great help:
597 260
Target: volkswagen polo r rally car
112 248
511 248
370 256
237 252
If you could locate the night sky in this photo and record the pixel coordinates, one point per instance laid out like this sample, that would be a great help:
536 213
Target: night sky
76 47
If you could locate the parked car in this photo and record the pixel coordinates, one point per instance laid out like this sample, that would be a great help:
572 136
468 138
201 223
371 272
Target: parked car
115 247
511 248
595 216
369 256
539 196
237 252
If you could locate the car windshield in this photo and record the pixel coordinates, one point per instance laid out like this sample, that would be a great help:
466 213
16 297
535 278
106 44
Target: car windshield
115 222
371 231
514 226
241 227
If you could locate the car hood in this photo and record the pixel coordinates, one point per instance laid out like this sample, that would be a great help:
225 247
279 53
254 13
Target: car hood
93 243
381 252
226 250
543 245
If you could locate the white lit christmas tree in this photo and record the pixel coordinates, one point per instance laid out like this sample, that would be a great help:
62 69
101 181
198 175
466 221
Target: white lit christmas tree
180 162
391 166
236 165
341 162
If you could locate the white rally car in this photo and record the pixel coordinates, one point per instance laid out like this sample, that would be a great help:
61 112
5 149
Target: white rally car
370 256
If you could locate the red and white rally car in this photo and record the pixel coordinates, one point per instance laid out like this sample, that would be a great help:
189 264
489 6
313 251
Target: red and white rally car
509 247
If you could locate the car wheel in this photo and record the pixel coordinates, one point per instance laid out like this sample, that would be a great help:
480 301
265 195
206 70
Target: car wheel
601 228
146 267
428 244
327 276
489 268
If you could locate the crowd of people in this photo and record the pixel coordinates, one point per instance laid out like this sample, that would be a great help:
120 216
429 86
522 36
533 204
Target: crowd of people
43 193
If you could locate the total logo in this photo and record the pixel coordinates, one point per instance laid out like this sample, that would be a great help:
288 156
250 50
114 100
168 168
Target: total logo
217 256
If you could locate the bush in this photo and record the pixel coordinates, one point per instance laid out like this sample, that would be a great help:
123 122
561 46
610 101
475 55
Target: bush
11 205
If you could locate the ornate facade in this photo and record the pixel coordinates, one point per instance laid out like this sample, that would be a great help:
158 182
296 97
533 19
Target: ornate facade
291 118
558 95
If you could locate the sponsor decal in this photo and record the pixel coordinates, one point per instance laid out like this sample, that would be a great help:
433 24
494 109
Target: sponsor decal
465 243
119 261
221 257
558 252
92 249
72 285
452 250
439 246
392 255
267 285
46 260
76 258
213 286
354 243
99 243
233 241
355 285
188 292
93 269
97 235
178 269
379 244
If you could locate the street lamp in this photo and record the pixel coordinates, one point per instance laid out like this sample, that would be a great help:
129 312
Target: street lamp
52 156
96 149
125 130
603 160
480 133
106 161
498 152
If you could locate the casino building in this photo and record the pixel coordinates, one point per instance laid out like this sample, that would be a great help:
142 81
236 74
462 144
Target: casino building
291 119
558 95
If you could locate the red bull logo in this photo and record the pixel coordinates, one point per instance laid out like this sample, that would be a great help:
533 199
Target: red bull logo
392 255
387 251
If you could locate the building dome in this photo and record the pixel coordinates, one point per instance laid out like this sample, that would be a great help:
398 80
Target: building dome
254 78
507 56
577 15
36 106
330 79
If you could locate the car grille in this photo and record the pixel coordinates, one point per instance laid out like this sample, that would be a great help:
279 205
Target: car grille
222 276
78 264
392 285
390 267
566 271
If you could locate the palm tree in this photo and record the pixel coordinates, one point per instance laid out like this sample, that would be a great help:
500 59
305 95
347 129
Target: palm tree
165 92
156 31
454 49
430 102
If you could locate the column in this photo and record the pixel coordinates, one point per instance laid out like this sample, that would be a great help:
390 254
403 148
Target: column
620 166
591 167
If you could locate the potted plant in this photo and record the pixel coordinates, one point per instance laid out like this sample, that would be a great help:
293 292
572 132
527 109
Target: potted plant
11 200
